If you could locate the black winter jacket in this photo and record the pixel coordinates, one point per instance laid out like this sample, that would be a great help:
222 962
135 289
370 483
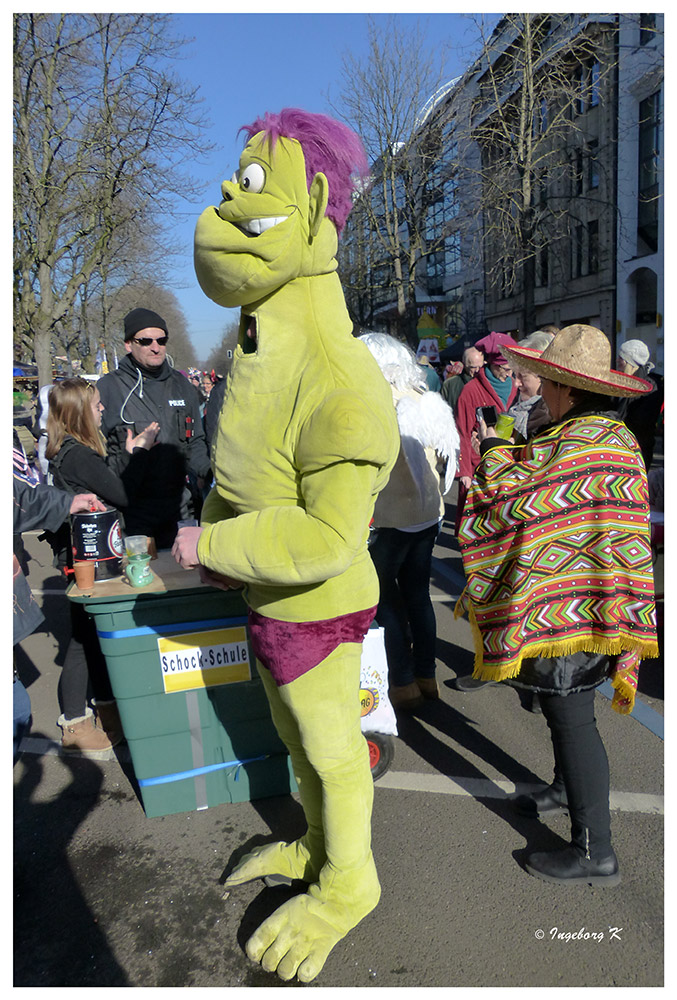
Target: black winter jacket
35 506
134 399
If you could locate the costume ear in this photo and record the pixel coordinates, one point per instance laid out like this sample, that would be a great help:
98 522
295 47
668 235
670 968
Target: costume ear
319 196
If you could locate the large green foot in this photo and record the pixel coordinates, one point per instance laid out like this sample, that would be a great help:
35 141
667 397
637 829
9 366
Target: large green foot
290 860
297 938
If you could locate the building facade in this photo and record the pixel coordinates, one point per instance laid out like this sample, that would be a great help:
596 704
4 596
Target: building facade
544 202
640 240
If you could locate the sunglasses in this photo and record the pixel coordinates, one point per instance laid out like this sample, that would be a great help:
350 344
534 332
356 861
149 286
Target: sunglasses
147 341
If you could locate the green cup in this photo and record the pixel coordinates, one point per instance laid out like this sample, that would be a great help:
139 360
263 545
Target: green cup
138 570
504 426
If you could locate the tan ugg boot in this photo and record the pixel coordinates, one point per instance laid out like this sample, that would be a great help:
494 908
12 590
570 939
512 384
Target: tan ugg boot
405 696
428 687
108 719
81 735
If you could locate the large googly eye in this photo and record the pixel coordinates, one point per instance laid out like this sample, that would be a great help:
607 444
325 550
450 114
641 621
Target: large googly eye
252 178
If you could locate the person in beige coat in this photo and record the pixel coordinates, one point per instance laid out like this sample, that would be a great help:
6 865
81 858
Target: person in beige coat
406 523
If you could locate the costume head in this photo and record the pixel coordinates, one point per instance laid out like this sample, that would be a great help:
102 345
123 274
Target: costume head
579 356
282 210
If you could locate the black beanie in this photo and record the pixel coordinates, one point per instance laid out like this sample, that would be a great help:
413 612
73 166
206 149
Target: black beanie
143 319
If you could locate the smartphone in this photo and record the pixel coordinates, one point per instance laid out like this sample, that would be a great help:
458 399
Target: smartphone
487 414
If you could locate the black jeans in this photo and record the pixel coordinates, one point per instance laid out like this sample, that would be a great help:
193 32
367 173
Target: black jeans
405 611
84 666
582 767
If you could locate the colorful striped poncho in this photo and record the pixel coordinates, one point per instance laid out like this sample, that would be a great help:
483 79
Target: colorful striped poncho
556 550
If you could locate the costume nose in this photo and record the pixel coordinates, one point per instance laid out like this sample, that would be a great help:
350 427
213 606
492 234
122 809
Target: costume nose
227 196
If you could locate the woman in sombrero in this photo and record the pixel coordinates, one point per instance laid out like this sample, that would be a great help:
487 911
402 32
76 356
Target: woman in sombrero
556 551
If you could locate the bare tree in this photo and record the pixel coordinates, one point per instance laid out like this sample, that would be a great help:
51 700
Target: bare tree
387 98
536 76
101 131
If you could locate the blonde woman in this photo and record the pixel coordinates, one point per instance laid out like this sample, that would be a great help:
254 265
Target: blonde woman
77 462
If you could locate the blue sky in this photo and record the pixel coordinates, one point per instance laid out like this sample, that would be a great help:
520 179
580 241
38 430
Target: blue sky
247 64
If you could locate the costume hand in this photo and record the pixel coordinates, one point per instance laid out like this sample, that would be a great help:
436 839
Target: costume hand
146 439
217 580
85 502
184 548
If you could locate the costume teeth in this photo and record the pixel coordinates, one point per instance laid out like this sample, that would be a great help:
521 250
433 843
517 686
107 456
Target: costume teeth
258 226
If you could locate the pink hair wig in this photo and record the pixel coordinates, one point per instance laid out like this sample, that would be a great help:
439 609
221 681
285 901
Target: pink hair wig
329 147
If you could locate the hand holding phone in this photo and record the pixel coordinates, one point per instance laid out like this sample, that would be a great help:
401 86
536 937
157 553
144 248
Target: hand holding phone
487 414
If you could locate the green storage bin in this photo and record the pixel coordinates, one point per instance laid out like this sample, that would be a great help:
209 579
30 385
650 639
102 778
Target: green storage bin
192 705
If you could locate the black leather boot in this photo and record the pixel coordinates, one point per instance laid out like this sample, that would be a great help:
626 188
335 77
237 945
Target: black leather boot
570 867
550 799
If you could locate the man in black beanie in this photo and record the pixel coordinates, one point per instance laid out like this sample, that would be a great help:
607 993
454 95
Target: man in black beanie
146 388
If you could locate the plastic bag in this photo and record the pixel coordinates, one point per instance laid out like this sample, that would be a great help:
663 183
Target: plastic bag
378 715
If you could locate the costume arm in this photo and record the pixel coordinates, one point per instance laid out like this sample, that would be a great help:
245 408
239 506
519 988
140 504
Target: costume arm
215 509
293 546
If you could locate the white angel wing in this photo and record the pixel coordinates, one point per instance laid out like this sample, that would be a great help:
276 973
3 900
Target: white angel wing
428 422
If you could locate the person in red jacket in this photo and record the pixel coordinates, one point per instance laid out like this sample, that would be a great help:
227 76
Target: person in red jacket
492 386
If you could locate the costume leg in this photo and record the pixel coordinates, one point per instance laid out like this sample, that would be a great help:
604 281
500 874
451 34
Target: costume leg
304 858
298 937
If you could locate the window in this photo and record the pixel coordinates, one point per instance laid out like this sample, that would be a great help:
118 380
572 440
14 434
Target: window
577 251
585 249
648 170
577 172
542 271
593 164
647 28
593 247
542 188
580 88
587 80
594 85
452 252
646 296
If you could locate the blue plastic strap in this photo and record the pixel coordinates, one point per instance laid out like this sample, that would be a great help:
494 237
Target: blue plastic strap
202 626
165 779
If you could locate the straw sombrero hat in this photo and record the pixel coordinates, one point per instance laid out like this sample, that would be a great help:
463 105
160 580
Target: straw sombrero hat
579 356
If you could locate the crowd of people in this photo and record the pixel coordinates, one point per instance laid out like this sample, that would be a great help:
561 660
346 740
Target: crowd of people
139 440
135 439
315 479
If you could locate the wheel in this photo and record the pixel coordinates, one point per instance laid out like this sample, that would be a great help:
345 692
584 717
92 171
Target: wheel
381 752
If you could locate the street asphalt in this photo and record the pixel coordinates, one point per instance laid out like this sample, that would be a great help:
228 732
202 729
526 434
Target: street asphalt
105 896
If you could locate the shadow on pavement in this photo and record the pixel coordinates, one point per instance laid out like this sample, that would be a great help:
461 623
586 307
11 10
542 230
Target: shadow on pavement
460 728
69 948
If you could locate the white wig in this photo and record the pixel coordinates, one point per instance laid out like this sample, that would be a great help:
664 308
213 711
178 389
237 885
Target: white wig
538 341
396 360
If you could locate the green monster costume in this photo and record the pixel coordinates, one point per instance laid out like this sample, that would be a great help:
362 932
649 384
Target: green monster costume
306 440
